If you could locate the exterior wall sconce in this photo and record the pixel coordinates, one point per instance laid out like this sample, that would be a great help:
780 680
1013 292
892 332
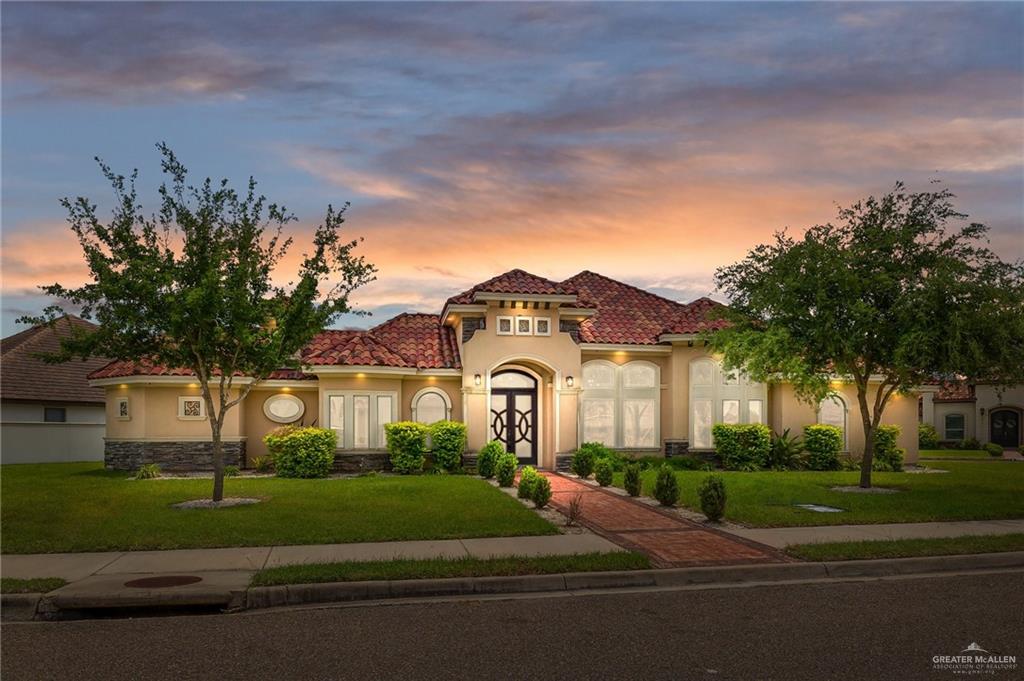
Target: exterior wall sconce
477 380
569 381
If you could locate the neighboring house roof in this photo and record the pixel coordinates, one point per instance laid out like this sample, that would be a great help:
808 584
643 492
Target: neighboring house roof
25 376
632 316
623 315
959 391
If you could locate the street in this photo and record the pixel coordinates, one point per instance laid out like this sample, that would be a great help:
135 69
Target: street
851 630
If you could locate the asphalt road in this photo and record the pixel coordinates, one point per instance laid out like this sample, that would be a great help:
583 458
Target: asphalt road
862 631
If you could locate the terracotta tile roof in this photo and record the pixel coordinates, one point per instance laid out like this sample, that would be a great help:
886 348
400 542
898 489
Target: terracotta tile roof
123 368
515 281
957 391
695 317
421 339
632 316
24 376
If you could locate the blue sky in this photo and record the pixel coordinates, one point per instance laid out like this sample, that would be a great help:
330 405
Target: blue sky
650 142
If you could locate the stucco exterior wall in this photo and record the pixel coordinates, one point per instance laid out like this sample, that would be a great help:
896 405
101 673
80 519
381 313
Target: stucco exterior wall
154 415
26 438
258 425
942 409
789 412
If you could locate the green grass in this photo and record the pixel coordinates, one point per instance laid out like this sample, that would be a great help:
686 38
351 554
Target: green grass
40 585
956 454
448 567
765 499
905 548
81 507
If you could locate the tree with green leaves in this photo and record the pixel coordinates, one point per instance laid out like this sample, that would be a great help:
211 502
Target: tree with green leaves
899 290
197 286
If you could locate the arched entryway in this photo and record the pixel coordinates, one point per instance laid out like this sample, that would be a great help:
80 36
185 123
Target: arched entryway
1004 427
515 413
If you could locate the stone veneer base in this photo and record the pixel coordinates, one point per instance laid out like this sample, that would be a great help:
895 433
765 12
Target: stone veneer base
172 456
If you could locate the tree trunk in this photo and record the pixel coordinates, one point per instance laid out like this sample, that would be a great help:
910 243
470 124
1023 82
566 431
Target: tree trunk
869 454
218 462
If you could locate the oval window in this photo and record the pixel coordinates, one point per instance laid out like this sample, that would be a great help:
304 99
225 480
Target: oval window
284 408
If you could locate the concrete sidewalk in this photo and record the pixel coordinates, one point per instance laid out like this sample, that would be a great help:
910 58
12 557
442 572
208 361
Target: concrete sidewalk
79 566
780 537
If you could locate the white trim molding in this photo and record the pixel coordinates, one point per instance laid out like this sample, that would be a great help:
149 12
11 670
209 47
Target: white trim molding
615 347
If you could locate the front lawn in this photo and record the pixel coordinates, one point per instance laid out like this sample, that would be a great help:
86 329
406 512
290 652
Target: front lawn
956 454
905 548
81 507
766 499
449 567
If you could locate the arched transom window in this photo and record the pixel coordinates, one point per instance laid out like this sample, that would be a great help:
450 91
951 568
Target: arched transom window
718 396
621 404
431 405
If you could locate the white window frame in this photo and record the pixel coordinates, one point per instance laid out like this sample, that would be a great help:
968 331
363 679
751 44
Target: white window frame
529 321
619 394
511 325
431 390
347 434
963 426
127 409
536 329
188 398
836 397
724 386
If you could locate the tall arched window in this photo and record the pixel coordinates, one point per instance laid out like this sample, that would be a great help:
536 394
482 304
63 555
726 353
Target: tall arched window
832 412
431 405
621 404
717 396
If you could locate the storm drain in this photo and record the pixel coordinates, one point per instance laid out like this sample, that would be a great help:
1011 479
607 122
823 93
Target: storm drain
163 582
818 508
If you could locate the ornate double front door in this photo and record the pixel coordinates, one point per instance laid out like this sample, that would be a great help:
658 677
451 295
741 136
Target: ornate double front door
514 413
1005 427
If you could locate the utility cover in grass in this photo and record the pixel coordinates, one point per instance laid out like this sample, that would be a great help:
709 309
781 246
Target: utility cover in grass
818 508
226 502
856 489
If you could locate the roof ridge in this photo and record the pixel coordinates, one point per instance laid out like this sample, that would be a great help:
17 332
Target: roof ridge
627 285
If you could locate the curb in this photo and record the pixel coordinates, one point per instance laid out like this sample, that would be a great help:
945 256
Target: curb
18 607
260 597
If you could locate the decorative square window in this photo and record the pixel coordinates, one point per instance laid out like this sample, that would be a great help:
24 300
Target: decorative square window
55 414
505 326
123 413
542 326
524 326
191 407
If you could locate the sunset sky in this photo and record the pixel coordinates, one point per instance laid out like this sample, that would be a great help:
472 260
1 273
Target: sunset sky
648 142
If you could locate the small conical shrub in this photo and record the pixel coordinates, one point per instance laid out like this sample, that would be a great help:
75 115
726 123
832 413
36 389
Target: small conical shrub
540 491
505 470
487 459
527 477
712 497
632 479
603 473
666 487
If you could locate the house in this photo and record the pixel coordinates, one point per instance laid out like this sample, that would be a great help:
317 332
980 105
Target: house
964 410
540 365
48 412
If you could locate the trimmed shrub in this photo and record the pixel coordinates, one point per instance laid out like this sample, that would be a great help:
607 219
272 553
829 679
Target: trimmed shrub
971 443
407 446
541 491
631 480
487 458
505 469
888 456
712 497
823 444
786 453
302 452
666 487
231 471
448 443
147 471
263 464
527 477
584 459
993 449
742 446
927 436
603 472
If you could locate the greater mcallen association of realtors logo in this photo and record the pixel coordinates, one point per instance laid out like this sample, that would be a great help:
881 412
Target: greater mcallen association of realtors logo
974 661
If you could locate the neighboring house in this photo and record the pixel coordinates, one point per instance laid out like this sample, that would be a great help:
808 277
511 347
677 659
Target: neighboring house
538 364
961 410
48 412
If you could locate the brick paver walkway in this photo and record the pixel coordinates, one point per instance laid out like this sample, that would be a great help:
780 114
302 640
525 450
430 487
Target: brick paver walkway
670 541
